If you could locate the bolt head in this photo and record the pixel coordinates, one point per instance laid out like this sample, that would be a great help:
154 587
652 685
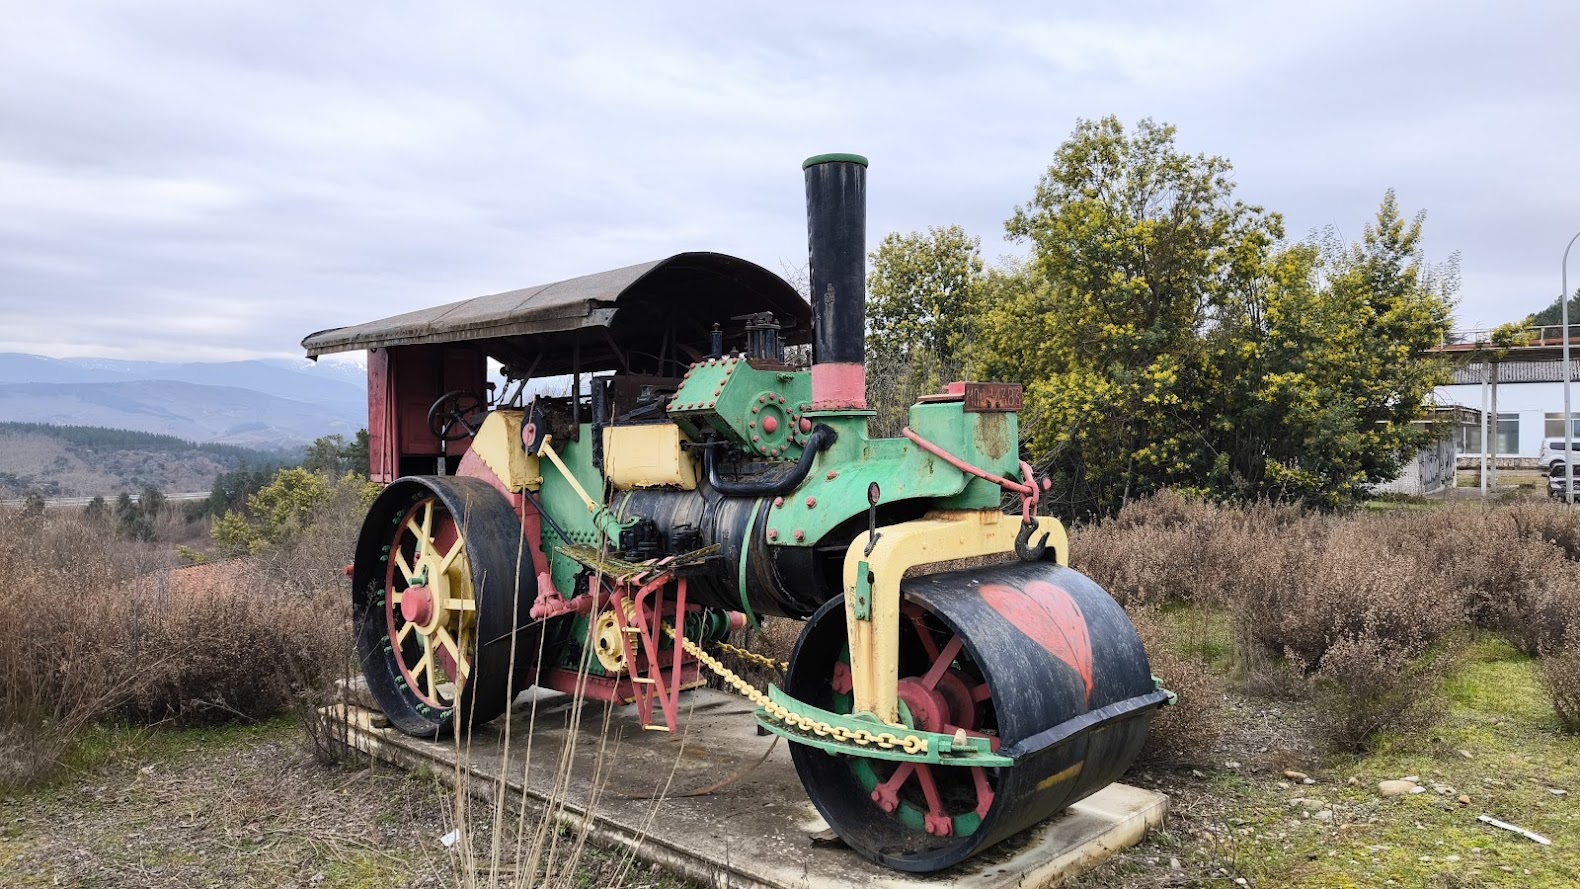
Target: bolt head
811 502
831 475
773 534
800 535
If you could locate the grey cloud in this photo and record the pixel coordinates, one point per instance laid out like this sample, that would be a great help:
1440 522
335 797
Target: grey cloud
217 179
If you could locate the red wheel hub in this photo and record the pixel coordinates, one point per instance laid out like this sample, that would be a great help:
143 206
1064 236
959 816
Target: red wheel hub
416 605
929 709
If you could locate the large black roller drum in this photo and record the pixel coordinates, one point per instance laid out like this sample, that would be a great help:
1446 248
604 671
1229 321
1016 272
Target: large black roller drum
441 621
1031 654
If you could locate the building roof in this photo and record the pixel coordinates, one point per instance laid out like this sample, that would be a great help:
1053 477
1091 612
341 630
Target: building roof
1517 372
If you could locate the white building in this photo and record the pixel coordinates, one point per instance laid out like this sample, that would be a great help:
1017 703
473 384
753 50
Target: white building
1529 404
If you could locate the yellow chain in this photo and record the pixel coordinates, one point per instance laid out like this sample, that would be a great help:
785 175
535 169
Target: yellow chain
753 657
885 740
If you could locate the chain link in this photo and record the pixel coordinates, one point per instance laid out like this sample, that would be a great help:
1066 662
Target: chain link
862 737
760 660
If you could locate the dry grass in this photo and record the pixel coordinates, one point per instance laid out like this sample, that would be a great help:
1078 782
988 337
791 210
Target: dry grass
1355 610
105 629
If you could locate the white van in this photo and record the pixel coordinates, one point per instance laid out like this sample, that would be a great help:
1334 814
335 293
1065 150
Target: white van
1552 455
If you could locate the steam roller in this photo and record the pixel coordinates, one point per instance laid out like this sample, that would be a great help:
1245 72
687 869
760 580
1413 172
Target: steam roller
592 485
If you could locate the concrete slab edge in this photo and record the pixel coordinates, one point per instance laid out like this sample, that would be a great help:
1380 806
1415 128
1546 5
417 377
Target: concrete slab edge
645 847
395 749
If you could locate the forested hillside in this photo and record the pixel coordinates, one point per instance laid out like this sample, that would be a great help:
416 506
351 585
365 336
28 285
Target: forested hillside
84 461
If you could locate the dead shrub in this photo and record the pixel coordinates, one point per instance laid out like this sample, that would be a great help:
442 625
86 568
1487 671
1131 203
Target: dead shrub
247 649
1561 679
1185 733
103 629
1549 523
1366 686
1172 549
1349 580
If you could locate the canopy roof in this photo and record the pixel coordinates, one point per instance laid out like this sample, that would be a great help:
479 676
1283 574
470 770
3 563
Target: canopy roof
666 306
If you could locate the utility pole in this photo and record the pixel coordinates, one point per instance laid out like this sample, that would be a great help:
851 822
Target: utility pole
1569 432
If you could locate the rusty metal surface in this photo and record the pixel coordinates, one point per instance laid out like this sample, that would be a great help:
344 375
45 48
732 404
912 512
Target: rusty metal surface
691 290
992 398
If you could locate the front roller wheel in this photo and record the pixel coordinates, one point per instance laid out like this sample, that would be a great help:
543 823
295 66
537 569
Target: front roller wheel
439 563
1034 656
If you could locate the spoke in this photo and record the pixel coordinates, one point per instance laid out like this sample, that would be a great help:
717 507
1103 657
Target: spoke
427 521
984 792
401 563
396 597
424 666
460 604
981 693
454 648
937 821
403 632
449 557
887 794
919 621
945 659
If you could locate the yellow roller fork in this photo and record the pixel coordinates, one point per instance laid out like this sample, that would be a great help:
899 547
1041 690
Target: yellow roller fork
872 587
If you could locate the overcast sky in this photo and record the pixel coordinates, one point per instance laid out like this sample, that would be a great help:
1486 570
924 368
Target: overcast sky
213 180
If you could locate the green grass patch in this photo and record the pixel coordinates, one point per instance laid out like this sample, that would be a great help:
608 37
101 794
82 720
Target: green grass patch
108 746
1497 744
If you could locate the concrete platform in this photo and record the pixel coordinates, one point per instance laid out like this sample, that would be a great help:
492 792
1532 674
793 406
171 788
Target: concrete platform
756 831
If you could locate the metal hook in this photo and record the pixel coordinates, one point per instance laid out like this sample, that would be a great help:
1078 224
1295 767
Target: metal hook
874 494
1023 547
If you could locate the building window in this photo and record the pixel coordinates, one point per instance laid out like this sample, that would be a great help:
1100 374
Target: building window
1508 437
1555 425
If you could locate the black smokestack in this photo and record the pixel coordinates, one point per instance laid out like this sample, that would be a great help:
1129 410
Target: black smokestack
836 230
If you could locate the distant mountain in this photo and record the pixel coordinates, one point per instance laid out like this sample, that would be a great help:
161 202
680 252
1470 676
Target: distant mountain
188 410
257 403
316 383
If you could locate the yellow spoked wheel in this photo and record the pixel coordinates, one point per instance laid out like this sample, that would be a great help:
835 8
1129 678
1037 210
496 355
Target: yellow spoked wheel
430 612
443 583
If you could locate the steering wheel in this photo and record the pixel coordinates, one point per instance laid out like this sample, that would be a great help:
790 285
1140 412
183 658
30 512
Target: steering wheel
455 409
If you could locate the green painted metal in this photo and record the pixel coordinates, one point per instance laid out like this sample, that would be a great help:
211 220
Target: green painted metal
740 578
760 411
835 158
862 604
561 502
836 489
1173 697
941 748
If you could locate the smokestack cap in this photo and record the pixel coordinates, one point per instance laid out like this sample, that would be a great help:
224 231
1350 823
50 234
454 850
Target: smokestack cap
837 158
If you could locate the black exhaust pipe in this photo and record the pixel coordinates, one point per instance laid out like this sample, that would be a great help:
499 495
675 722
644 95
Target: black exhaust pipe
836 231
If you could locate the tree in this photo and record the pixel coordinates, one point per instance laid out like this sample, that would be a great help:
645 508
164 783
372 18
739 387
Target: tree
1169 337
285 508
1325 370
1133 245
326 456
1553 314
33 505
921 293
97 511
130 522
921 299
151 502
356 454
